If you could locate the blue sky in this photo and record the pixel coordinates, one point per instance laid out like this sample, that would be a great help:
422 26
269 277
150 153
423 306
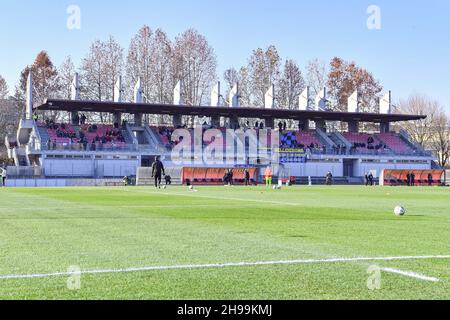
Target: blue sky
410 54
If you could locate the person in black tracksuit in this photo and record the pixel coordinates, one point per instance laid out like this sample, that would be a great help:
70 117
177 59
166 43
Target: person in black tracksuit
157 172
246 177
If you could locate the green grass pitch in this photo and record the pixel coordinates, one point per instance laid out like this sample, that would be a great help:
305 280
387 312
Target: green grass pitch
47 230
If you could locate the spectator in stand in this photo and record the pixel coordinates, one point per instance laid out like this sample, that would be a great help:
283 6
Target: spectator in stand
280 126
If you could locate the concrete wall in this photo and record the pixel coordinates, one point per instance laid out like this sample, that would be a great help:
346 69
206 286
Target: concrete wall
315 169
90 168
60 182
376 167
320 169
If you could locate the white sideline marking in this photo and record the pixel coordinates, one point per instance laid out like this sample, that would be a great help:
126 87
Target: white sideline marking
225 198
411 274
241 264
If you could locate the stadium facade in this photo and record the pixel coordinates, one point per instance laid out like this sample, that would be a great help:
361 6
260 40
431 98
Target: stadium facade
296 143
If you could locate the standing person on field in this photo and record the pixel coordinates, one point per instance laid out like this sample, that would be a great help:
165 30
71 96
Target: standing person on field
246 177
268 174
3 177
158 171
430 179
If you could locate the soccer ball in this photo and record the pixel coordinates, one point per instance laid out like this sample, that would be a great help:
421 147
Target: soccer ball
164 187
275 187
399 211
191 188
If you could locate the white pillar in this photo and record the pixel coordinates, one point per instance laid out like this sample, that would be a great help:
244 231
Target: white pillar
29 97
353 102
75 88
321 100
118 90
118 97
234 96
75 95
178 98
138 99
386 103
304 101
215 95
138 92
269 99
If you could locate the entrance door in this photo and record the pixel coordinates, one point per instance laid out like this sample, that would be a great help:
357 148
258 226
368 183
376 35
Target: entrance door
146 161
348 168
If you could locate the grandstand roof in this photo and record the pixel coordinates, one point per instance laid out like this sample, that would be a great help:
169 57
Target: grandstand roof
208 111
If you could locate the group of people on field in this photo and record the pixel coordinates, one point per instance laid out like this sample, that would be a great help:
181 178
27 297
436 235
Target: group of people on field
228 177
369 179
411 179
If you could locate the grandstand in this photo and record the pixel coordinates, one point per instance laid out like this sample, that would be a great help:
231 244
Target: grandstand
230 137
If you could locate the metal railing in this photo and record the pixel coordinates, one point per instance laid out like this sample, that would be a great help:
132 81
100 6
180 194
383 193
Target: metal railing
79 147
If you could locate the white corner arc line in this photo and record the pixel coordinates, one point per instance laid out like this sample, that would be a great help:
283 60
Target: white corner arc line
238 264
411 274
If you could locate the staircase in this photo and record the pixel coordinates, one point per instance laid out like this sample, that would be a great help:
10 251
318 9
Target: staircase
20 158
339 139
144 176
43 133
435 166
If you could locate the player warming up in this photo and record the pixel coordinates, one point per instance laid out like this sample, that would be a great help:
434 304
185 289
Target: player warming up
158 172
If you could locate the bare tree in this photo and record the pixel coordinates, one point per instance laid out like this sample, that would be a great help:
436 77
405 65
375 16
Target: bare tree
66 74
4 91
420 131
290 86
161 71
139 57
113 64
264 70
231 77
242 77
195 63
431 133
10 113
100 70
440 141
161 68
316 75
